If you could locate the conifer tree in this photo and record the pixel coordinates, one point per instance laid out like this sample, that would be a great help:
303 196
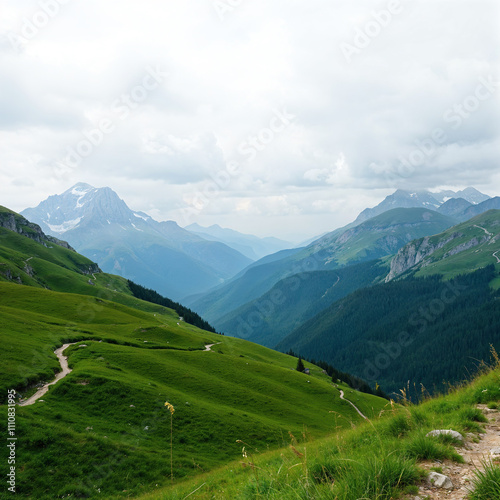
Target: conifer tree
300 365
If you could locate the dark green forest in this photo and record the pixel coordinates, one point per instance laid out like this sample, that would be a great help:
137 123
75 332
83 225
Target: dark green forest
188 316
410 332
295 299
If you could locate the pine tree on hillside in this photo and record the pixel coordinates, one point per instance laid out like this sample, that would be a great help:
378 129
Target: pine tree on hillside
300 365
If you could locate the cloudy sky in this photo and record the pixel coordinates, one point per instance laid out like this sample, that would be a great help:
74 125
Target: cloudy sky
273 117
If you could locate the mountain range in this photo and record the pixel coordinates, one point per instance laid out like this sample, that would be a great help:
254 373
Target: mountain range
441 297
213 270
375 238
421 199
159 255
231 305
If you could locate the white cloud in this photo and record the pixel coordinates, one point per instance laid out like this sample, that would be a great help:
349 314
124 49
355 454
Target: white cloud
224 81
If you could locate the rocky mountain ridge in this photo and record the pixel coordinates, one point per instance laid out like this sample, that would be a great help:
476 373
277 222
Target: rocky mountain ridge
17 223
422 199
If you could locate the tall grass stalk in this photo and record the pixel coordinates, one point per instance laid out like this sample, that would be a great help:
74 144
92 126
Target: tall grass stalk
171 409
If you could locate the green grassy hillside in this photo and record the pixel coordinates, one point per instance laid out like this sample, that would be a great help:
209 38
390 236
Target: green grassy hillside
106 420
384 459
444 262
28 262
380 236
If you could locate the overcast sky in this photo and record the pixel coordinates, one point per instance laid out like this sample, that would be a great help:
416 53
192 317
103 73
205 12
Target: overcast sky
273 117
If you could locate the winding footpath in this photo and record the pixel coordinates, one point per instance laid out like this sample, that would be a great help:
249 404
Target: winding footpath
490 236
484 229
208 347
496 256
332 287
65 369
351 403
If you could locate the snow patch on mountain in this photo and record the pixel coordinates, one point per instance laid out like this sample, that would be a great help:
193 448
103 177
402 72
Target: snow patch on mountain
65 226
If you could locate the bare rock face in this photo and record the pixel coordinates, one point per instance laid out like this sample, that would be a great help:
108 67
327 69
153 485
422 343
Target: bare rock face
474 242
29 270
409 256
418 251
440 481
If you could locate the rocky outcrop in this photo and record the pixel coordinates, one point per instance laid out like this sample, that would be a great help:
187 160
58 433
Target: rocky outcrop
93 269
59 242
17 223
474 242
29 270
417 251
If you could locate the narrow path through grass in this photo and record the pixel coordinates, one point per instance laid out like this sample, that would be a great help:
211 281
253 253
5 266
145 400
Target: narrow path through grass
351 403
65 370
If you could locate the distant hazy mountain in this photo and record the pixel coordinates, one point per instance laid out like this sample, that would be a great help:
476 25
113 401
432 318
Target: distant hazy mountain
463 210
420 199
377 237
470 194
481 208
454 207
159 255
251 246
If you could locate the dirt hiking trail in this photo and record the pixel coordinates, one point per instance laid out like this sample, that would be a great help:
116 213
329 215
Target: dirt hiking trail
474 454
63 361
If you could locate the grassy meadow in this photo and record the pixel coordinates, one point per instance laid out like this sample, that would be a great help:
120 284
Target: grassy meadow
379 459
104 431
